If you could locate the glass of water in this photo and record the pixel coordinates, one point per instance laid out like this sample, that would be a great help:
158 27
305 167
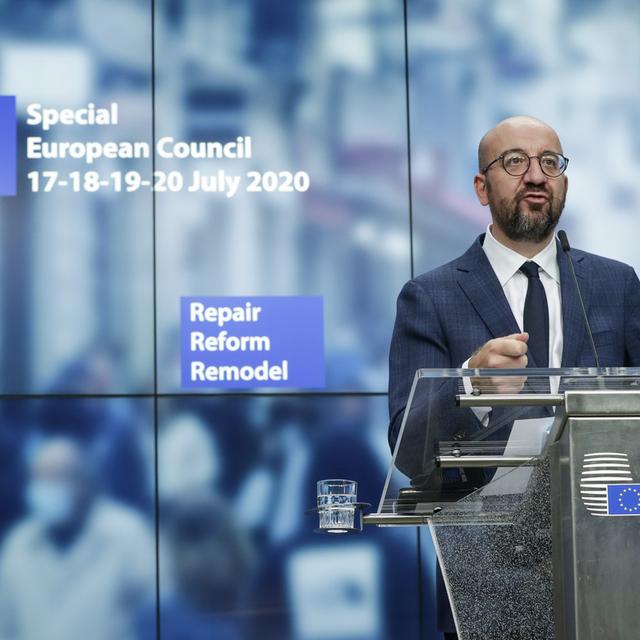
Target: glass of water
337 504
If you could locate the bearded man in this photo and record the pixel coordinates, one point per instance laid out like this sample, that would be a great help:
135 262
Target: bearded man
510 300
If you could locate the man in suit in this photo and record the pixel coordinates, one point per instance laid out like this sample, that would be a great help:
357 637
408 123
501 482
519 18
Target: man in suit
509 301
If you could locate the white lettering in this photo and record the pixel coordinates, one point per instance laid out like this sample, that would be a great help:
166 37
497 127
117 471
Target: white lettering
35 117
199 341
88 151
86 116
198 371
240 148
221 315
263 372
196 309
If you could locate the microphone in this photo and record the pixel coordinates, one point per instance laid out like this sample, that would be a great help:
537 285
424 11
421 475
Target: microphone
564 243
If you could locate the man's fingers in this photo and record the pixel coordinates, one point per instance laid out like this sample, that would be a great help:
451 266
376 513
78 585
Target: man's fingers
502 353
503 361
508 385
510 347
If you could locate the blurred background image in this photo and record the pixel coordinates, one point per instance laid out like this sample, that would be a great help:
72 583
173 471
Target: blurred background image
78 553
129 508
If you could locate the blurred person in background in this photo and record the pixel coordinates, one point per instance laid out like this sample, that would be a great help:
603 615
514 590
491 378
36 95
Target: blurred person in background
189 458
210 561
78 565
116 432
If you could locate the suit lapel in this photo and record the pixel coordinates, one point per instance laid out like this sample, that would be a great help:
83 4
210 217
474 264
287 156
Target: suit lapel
478 281
573 331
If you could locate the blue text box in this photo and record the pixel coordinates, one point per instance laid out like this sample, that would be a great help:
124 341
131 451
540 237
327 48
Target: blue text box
248 342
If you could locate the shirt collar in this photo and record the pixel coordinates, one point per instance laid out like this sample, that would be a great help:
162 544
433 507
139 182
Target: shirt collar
506 262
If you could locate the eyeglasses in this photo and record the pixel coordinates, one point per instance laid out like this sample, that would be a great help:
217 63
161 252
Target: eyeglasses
516 163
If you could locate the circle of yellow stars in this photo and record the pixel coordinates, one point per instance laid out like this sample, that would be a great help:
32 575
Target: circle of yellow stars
621 503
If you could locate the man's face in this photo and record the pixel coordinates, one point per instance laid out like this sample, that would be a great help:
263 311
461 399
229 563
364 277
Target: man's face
527 207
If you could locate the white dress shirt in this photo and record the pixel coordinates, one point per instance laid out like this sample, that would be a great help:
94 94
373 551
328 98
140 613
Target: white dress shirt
506 264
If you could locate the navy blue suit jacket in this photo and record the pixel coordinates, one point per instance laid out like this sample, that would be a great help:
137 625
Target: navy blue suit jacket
444 315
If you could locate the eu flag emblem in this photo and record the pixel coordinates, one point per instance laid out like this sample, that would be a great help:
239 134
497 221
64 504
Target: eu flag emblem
623 499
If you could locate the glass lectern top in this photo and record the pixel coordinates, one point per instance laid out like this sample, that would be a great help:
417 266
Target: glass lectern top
465 429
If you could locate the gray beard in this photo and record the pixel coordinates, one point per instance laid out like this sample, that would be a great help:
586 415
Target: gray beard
518 227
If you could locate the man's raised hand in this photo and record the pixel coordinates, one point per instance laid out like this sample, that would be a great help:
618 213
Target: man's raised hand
508 352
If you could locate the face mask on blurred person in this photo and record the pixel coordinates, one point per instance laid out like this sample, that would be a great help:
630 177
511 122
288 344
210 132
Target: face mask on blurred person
51 502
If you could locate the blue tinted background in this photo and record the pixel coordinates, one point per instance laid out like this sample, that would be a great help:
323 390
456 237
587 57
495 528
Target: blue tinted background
321 87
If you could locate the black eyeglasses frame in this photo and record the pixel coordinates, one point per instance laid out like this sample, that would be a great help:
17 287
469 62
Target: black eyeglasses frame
517 175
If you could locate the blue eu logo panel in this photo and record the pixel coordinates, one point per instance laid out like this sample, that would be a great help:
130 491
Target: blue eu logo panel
623 499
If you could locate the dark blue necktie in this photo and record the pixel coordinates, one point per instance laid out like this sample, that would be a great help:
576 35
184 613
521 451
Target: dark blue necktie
536 316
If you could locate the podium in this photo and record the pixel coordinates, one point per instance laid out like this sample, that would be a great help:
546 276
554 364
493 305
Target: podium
529 482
